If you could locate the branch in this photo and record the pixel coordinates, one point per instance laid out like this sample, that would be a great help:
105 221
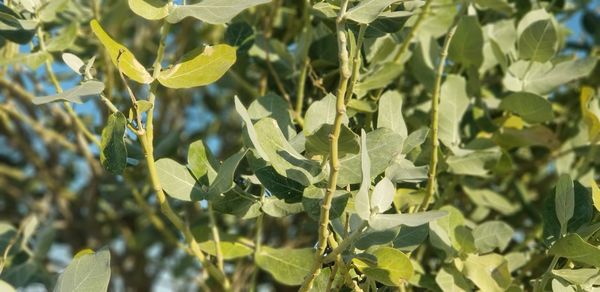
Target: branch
435 103
333 150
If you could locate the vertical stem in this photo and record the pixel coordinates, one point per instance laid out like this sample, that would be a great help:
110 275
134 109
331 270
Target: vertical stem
334 163
216 237
435 102
356 61
411 33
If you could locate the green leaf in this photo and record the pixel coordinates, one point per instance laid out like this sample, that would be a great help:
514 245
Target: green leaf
150 9
382 146
404 170
589 117
278 185
89 272
466 46
201 161
224 180
565 200
538 36
14 28
240 35
320 113
577 276
596 195
372 237
368 10
390 113
489 272
31 60
275 107
387 221
383 196
410 237
288 266
573 247
232 246
451 280
415 139
492 234
582 214
49 11
283 157
250 130
113 153
199 67
6 287
393 267
319 142
476 163
65 39
454 102
85 89
130 66
501 6
177 181
279 208
379 78
361 106
443 232
531 107
238 203
542 78
362 203
490 199
212 11
312 199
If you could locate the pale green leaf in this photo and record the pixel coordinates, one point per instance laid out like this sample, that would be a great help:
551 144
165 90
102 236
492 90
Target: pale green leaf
319 113
177 181
451 280
466 46
275 207
89 272
390 113
127 62
319 142
362 204
212 11
368 10
6 287
251 131
113 152
85 89
202 162
490 199
489 272
65 38
573 247
564 200
199 68
150 9
286 265
275 107
531 107
393 267
224 180
387 221
492 234
382 196
453 105
312 199
73 62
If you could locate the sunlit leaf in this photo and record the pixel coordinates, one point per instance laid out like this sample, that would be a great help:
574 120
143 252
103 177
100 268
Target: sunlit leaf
212 11
573 247
177 181
589 117
393 267
150 9
288 266
127 62
89 272
199 67
86 89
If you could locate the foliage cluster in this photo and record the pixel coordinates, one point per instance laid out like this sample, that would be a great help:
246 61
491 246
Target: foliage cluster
336 145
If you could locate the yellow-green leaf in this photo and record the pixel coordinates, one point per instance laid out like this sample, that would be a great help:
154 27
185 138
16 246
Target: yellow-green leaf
198 69
127 61
590 119
150 9
393 267
596 195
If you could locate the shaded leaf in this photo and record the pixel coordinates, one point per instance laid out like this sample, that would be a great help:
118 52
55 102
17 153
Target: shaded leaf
386 221
85 89
531 107
466 46
286 265
492 234
488 272
565 200
368 10
573 247
113 152
453 105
